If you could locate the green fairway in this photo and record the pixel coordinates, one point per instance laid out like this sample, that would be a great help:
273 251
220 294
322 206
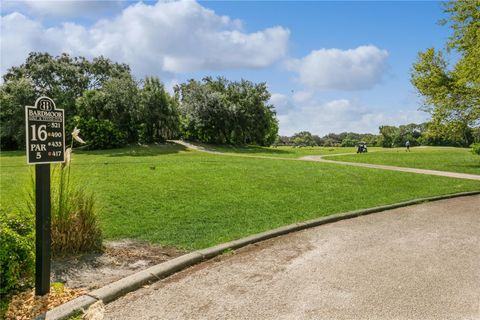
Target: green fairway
281 152
435 158
166 194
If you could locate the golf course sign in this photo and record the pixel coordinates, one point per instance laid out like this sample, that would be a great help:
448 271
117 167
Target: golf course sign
45 132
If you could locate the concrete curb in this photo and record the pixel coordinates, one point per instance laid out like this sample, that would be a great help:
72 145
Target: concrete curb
119 288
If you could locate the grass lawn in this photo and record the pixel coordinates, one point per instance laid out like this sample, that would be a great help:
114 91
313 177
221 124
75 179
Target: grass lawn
435 158
168 195
281 152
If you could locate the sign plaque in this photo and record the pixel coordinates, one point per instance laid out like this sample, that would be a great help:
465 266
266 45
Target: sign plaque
45 132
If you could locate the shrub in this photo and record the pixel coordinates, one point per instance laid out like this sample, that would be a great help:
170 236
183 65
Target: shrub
476 148
17 251
100 134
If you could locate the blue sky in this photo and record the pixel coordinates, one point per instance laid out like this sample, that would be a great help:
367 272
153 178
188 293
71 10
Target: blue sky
330 66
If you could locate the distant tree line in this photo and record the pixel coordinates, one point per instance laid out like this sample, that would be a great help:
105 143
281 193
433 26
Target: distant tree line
112 109
388 137
344 139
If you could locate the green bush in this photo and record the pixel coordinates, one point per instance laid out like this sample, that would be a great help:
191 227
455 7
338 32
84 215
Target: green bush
17 251
100 134
476 148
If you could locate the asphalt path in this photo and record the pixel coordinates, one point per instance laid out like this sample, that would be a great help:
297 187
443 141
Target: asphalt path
457 175
417 262
322 158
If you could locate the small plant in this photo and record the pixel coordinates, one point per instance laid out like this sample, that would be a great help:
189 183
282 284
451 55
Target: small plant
228 252
58 287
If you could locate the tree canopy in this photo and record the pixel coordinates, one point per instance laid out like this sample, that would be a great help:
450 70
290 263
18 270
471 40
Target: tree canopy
112 109
451 93
222 111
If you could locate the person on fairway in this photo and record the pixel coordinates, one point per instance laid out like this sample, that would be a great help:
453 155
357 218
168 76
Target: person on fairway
407 145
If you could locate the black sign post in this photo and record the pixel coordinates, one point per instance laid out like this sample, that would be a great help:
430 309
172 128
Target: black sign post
45 139
43 231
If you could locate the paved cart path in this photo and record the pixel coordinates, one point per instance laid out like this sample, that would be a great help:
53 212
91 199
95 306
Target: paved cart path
321 158
395 168
417 262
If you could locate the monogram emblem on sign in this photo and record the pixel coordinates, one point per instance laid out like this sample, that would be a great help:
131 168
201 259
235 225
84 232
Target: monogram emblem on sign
45 104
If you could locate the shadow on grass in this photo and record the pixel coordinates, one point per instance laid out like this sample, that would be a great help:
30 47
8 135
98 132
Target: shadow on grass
243 149
8 153
137 150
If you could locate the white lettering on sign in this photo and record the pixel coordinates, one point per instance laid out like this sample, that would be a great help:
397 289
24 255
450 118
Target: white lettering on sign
40 115
45 132
41 132
38 147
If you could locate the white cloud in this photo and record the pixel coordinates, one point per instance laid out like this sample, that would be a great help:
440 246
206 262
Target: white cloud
20 35
335 69
173 37
302 96
282 103
337 116
63 8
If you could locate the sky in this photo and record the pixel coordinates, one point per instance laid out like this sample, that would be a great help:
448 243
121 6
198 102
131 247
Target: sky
331 66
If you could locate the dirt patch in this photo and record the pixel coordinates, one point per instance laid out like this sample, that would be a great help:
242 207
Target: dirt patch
119 259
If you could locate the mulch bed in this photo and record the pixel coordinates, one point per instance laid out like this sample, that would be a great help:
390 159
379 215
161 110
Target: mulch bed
26 306
77 275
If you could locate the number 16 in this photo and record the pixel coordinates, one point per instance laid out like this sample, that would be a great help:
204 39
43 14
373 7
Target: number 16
41 132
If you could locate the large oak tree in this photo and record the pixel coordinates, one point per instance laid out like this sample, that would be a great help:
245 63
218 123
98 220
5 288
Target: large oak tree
451 92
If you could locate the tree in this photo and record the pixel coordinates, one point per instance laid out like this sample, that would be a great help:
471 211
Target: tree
116 101
63 78
303 139
222 111
283 141
159 112
371 139
205 116
14 96
318 141
390 136
410 132
350 139
437 133
332 139
255 120
101 69
452 93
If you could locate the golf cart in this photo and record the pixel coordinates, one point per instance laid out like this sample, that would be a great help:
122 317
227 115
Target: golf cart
362 147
